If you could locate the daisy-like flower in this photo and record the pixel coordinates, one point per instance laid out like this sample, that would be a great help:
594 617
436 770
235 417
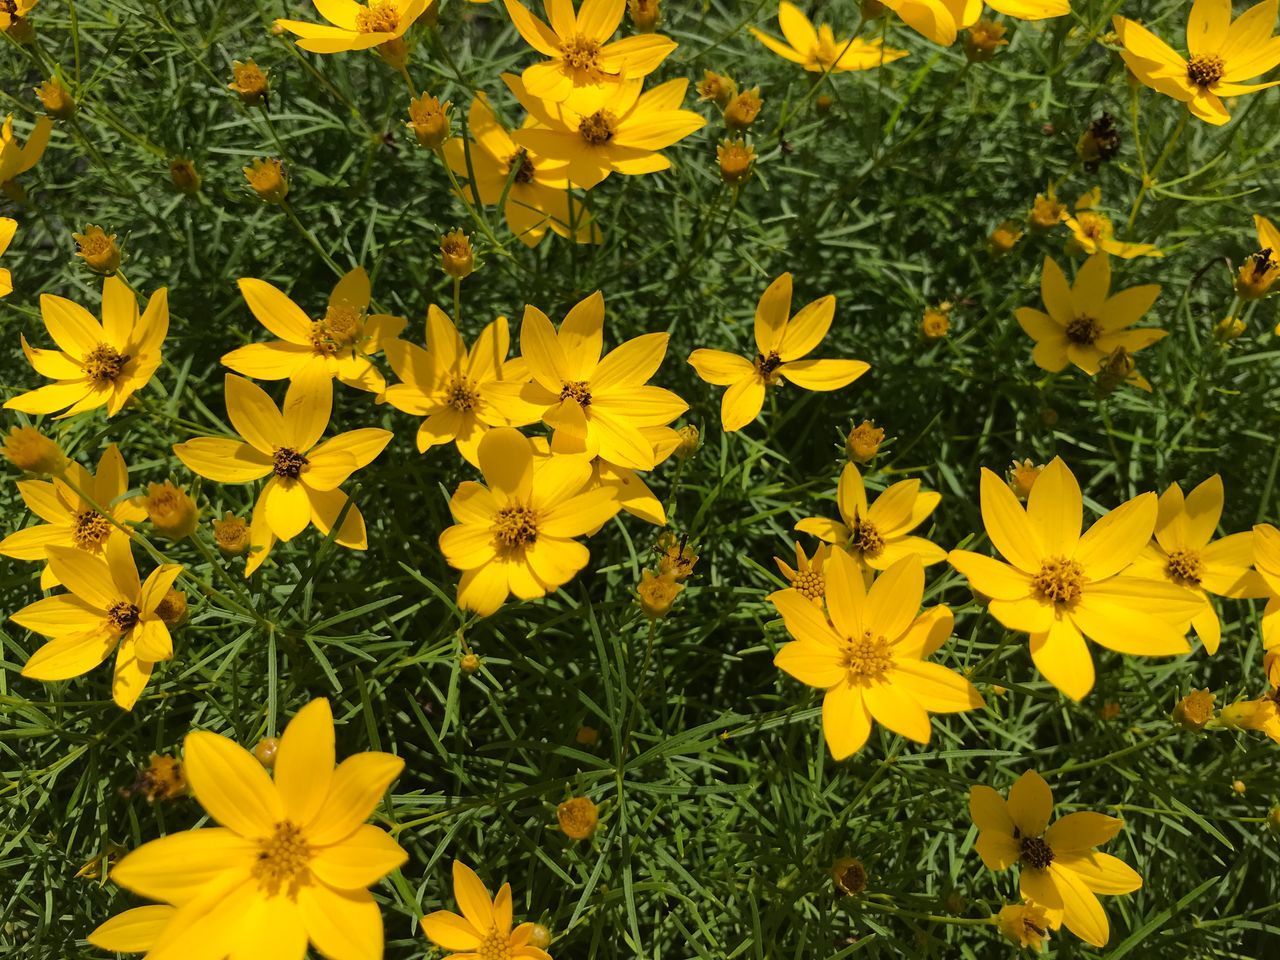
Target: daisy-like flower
609 129
878 534
1257 277
781 341
818 50
450 386
341 343
1184 552
1222 55
1026 924
597 406
1093 232
1082 324
538 199
355 26
941 20
8 227
15 157
304 488
807 577
516 535
1266 558
106 609
95 364
69 505
868 653
1059 868
578 49
1060 587
483 931
289 864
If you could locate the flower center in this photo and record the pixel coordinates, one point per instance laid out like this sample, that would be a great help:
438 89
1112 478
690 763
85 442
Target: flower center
581 52
378 18
90 529
1060 581
1083 331
579 390
522 164
1036 853
766 367
123 615
288 463
866 658
598 128
1094 225
494 946
865 538
1205 71
1185 568
342 322
809 584
461 394
104 363
282 860
515 526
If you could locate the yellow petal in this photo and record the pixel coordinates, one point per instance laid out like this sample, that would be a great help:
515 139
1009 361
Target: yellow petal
177 867
344 924
1062 656
356 788
231 785
304 764
846 723
1055 509
360 860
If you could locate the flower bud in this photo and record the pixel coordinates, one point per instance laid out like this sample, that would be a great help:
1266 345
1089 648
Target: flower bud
645 14
171 510
98 250
1046 212
1238 787
1021 477
1026 924
863 441
743 109
849 876
587 736
936 322
394 52
657 594
231 535
173 609
1228 329
185 177
983 39
716 87
56 99
455 254
249 81
1194 710
429 120
30 450
266 751
267 179
1004 238
736 160
578 818
689 440
539 936
469 664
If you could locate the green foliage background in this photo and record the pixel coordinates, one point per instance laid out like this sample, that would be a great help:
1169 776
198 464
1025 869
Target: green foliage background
722 809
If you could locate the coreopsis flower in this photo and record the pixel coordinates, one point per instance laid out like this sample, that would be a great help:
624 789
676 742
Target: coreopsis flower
1047 211
32 452
1026 924
184 175
1260 272
231 534
172 512
936 322
82 510
736 158
1093 232
266 178
429 120
869 656
17 158
614 129
173 609
1222 55
107 608
577 817
451 386
1006 236
580 54
8 227
249 82
1185 553
675 558
15 20
484 928
1266 559
516 533
289 864
818 50
806 578
657 593
95 364
941 20
1059 868
742 110
599 406
716 87
56 99
1061 587
98 250
1082 322
1194 710
782 340
355 26
983 39
306 475
863 441
878 535
456 256
689 441
1022 476
340 344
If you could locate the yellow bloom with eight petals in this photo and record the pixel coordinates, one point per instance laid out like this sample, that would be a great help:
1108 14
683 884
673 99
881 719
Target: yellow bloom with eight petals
355 26
483 931
818 50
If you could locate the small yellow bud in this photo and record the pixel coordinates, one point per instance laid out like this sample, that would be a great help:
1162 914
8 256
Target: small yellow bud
587 736
455 254
231 535
173 608
249 81
936 322
539 937
1238 787
1026 924
716 87
1194 710
849 876
98 250
645 14
1258 275
1004 238
470 663
185 177
429 120
983 39
171 510
690 438
30 450
864 441
266 751
743 109
267 179
1021 477
578 818
736 160
1046 212
657 594
56 99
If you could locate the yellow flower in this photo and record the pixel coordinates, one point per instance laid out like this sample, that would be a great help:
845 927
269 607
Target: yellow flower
1083 323
781 341
1060 587
743 109
96 364
869 656
676 560
537 198
288 865
56 99
451 387
657 593
1022 477
354 26
1092 232
863 441
806 578
596 406
610 129
716 87
249 81
736 158
16 158
340 344
1060 870
8 227
1223 54
30 450
1194 710
13 19
936 322
305 478
1047 210
107 608
171 510
577 817
69 505
1006 236
456 256
818 50
879 534
983 39
429 120
484 928
266 177
941 20
231 534
1260 272
1266 558
97 250
1026 924
516 535
1185 553
579 53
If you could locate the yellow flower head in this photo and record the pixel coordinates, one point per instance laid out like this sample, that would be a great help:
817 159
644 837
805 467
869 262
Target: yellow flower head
1223 54
878 534
716 87
173 609
676 559
339 344
690 439
868 653
1026 924
429 120
95 364
306 475
515 533
1093 232
577 817
171 510
231 534
355 26
782 340
936 322
15 157
1006 236
291 858
806 577
577 46
1260 272
267 178
56 99
863 441
249 81
1022 477
484 929
657 594
456 255
1082 323
1194 710
941 20
98 250
452 387
8 227
983 39
161 779
106 609
30 450
1060 870
1060 586
818 50
1047 211
742 110
1266 559
736 158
